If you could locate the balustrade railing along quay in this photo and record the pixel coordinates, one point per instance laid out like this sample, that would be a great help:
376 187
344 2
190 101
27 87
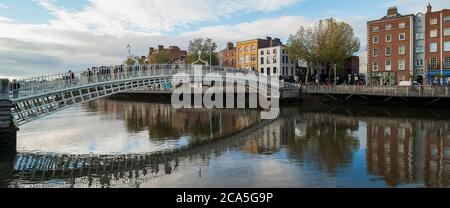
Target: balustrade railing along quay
390 91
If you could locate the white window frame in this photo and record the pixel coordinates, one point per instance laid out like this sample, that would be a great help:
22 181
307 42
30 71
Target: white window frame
400 51
386 68
377 38
375 66
401 64
446 46
447 19
375 28
377 52
386 51
434 33
400 36
447 31
435 48
433 21
401 25
388 27
390 38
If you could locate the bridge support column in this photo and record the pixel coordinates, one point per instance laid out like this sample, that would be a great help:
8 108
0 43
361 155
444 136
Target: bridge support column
8 130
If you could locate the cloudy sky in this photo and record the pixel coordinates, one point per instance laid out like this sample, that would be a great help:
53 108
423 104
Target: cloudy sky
48 36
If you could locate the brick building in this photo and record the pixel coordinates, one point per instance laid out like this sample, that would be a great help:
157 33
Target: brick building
228 56
178 56
247 52
437 42
390 48
409 47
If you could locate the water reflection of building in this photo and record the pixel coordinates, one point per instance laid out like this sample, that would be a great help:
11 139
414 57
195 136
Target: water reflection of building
164 122
317 139
409 151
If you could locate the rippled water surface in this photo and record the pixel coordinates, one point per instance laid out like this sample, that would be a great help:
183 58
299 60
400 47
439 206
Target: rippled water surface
108 143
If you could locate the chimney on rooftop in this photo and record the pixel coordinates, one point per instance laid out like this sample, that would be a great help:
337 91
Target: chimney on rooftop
160 47
429 8
392 11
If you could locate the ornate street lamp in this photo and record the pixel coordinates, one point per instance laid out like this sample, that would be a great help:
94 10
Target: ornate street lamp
129 50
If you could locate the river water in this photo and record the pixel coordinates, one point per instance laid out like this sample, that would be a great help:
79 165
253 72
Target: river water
110 143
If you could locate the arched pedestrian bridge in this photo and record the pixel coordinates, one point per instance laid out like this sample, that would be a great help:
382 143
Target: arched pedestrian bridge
40 96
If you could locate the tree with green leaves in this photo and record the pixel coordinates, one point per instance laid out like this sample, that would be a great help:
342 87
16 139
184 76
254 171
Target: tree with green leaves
328 42
206 47
162 57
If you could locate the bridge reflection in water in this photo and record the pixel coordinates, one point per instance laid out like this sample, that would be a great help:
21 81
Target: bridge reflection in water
353 147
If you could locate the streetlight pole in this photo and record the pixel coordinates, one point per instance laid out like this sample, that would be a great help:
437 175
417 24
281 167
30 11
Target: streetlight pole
129 50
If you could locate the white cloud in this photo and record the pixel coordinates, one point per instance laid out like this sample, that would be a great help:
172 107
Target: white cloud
113 16
3 6
279 27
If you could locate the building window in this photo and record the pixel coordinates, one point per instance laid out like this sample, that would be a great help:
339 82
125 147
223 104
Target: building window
417 62
262 60
433 63
262 52
447 46
274 51
447 31
433 47
282 59
246 49
375 39
253 57
241 59
268 52
447 19
447 62
375 66
253 48
262 70
388 65
434 21
376 28
433 33
401 36
421 62
388 51
274 70
419 36
401 50
388 27
388 38
268 60
247 58
375 52
292 71
419 49
401 25
401 64
274 60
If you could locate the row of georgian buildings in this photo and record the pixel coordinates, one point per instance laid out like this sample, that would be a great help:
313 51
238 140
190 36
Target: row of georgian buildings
266 56
409 47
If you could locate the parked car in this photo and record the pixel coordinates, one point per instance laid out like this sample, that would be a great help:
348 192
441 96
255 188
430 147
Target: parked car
409 83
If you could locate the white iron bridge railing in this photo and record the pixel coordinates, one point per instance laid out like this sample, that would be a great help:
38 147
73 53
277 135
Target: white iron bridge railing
47 83
389 91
